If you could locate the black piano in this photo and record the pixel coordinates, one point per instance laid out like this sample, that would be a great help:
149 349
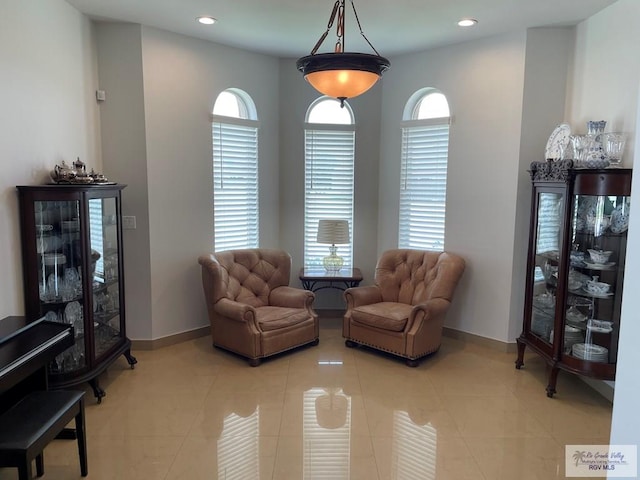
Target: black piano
25 351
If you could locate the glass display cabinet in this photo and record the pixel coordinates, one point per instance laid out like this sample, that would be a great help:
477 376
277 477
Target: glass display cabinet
73 273
575 268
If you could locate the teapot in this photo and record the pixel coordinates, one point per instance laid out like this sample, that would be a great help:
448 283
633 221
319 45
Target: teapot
81 172
80 167
63 173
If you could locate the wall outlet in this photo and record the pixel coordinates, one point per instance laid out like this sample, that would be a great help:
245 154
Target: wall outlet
101 95
128 222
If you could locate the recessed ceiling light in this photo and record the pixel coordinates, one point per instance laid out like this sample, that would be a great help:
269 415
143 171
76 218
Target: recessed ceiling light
206 20
467 22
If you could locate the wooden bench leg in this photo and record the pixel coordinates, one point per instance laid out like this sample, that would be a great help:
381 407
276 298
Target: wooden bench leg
82 440
40 465
24 470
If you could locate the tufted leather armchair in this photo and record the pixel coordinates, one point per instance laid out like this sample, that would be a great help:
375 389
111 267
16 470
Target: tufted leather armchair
252 309
403 313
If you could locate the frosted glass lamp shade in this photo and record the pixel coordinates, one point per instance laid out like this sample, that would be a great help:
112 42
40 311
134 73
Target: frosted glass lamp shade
342 75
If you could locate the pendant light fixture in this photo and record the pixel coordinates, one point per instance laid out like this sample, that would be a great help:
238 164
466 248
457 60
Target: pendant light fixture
342 74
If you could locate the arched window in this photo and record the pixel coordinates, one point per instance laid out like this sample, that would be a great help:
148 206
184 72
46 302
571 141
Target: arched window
329 158
423 176
234 128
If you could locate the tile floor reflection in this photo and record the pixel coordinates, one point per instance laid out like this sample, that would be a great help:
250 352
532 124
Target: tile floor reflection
328 412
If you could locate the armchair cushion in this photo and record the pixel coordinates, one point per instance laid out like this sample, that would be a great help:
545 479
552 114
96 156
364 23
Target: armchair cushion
385 315
275 318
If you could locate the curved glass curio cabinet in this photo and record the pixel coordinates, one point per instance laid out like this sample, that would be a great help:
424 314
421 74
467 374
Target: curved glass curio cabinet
73 273
575 269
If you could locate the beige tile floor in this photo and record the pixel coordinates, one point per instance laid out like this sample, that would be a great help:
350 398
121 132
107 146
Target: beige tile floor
192 412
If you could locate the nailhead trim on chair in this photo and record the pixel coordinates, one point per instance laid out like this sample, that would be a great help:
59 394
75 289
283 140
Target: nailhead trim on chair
402 355
265 356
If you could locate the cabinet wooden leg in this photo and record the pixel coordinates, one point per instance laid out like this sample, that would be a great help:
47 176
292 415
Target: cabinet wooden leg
131 359
98 392
520 359
553 378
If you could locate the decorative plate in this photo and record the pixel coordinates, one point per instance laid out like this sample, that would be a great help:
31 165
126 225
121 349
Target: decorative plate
558 142
600 266
620 218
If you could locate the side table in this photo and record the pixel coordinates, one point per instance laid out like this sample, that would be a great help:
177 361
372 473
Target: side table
317 278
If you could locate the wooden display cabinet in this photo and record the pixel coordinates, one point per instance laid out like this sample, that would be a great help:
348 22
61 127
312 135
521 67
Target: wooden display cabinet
575 268
73 273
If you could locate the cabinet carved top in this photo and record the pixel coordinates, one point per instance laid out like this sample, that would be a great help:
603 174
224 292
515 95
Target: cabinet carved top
551 170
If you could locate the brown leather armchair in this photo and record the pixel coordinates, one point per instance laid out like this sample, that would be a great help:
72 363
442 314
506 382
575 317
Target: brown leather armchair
252 309
403 313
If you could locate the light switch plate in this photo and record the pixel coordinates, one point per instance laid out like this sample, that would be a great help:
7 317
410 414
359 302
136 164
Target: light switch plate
128 222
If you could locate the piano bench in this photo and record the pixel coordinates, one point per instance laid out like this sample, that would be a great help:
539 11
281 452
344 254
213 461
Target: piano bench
28 427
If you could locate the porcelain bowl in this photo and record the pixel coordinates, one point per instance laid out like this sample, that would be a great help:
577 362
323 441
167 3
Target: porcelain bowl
600 256
597 288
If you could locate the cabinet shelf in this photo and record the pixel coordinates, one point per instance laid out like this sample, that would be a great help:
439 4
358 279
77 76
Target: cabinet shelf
573 212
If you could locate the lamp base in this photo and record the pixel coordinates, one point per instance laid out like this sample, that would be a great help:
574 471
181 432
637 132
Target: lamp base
332 262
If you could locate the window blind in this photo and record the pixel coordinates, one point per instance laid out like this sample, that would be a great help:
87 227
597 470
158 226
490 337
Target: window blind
235 185
329 157
423 186
96 234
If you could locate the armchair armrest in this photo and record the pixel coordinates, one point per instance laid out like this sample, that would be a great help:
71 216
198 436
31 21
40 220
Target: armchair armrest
240 312
357 296
291 297
430 311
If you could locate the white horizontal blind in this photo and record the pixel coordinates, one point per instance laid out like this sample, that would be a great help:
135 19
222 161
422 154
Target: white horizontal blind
548 231
423 186
549 222
96 235
235 185
329 157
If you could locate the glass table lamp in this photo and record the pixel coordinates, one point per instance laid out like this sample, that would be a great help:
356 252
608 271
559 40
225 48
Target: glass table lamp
331 231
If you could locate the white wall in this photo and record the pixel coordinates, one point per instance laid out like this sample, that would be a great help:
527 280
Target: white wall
605 77
125 158
49 113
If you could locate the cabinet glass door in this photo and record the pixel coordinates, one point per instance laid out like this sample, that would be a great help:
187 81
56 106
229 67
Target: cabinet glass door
547 255
59 263
105 285
594 294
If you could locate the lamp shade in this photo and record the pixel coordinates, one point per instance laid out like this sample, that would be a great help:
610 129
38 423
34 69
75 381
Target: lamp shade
333 231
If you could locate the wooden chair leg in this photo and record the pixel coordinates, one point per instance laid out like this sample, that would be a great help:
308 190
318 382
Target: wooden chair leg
82 440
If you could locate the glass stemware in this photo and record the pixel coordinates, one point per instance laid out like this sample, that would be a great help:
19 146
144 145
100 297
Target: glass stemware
613 145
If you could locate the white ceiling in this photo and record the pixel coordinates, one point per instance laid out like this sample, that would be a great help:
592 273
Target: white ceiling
290 28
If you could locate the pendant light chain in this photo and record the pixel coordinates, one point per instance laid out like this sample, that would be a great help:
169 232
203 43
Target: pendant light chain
339 48
360 27
332 18
338 11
